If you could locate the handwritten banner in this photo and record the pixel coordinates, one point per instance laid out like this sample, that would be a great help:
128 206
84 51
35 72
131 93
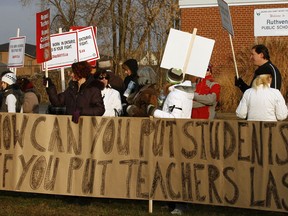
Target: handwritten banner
227 163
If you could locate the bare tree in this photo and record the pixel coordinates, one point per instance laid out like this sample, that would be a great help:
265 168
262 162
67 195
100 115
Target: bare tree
125 29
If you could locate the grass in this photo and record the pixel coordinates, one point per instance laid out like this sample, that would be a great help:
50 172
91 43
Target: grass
30 204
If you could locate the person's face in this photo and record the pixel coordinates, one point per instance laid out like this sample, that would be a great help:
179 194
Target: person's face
256 58
127 71
4 85
208 72
103 78
73 76
93 71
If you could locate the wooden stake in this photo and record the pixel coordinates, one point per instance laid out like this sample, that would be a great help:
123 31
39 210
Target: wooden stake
189 51
234 58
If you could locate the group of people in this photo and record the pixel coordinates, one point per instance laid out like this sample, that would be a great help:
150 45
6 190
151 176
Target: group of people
103 93
98 91
18 95
262 99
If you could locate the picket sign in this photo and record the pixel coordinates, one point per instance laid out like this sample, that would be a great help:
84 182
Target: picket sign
193 52
20 52
227 24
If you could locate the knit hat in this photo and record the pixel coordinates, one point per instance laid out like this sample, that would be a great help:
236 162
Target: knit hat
9 78
174 76
105 64
132 65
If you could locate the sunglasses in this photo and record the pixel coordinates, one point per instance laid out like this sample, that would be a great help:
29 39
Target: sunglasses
102 77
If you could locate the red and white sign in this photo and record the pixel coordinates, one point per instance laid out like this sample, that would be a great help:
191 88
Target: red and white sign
43 48
74 46
87 45
16 51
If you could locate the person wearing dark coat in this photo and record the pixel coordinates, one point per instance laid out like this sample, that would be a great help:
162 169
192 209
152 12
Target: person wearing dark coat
130 68
83 95
261 58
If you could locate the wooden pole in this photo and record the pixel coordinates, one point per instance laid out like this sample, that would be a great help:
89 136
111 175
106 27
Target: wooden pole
62 72
189 51
150 206
234 58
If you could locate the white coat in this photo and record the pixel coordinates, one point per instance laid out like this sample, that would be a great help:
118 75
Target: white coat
262 104
178 103
112 102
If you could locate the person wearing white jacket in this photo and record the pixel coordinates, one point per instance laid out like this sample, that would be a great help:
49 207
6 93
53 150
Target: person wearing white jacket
179 101
111 97
262 103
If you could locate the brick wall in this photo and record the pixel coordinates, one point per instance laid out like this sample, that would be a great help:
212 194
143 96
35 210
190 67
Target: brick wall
208 24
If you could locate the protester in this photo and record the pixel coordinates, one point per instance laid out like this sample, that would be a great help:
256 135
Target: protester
12 97
206 96
146 95
31 97
178 103
115 81
261 58
83 95
262 103
130 68
111 97
1 89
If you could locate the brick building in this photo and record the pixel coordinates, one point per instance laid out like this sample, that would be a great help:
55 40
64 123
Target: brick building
205 16
31 67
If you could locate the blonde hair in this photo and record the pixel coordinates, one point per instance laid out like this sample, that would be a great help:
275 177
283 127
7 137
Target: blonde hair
264 79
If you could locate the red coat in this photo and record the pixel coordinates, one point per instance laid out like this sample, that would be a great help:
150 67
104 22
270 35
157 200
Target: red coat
205 99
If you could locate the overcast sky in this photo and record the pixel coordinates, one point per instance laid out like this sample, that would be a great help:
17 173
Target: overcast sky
14 16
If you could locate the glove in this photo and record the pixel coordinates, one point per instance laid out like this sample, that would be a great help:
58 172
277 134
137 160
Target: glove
75 116
239 82
47 82
150 109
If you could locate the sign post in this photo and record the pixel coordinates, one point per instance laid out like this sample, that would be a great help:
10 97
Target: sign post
227 24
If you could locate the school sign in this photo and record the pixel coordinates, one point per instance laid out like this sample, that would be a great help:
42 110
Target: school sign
227 163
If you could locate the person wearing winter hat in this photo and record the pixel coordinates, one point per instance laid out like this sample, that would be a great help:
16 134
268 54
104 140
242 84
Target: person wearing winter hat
31 97
130 68
178 103
174 76
12 96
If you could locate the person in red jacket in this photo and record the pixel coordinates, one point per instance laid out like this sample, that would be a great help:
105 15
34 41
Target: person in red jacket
206 97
